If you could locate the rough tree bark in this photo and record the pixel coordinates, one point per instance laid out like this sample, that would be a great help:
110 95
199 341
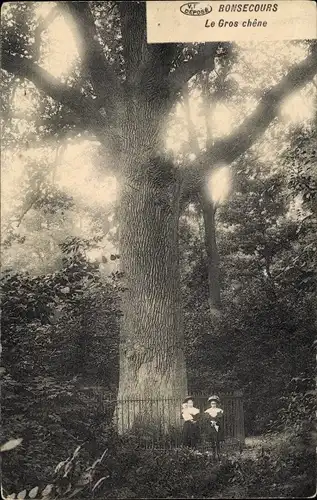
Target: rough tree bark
152 363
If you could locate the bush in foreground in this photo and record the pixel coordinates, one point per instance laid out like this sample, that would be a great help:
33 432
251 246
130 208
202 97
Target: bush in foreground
281 468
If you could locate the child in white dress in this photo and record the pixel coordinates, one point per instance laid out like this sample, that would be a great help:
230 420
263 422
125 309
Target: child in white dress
189 415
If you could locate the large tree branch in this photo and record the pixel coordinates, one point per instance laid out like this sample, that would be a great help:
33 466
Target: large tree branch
83 107
203 60
229 149
43 25
104 80
135 50
147 66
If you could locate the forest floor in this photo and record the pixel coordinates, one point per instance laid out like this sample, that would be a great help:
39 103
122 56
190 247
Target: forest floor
254 445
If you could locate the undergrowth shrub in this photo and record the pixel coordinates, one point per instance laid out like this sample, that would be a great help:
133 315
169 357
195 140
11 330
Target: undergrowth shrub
126 472
121 470
285 469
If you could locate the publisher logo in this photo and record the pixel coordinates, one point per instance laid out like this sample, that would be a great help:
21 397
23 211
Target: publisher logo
196 8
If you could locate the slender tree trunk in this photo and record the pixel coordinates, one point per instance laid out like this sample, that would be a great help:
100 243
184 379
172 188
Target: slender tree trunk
213 259
207 206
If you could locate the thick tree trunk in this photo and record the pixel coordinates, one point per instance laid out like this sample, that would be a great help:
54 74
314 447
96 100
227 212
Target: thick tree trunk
152 364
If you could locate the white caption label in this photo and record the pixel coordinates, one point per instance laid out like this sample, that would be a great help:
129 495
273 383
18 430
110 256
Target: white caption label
188 22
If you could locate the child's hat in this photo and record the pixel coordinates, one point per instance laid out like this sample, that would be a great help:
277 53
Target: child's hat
187 399
214 398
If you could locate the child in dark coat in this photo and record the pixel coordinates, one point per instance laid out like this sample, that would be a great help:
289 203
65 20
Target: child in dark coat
214 420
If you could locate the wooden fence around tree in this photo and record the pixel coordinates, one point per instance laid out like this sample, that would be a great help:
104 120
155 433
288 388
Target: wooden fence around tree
157 423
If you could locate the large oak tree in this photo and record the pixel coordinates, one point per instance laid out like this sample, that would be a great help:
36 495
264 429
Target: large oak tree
127 110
